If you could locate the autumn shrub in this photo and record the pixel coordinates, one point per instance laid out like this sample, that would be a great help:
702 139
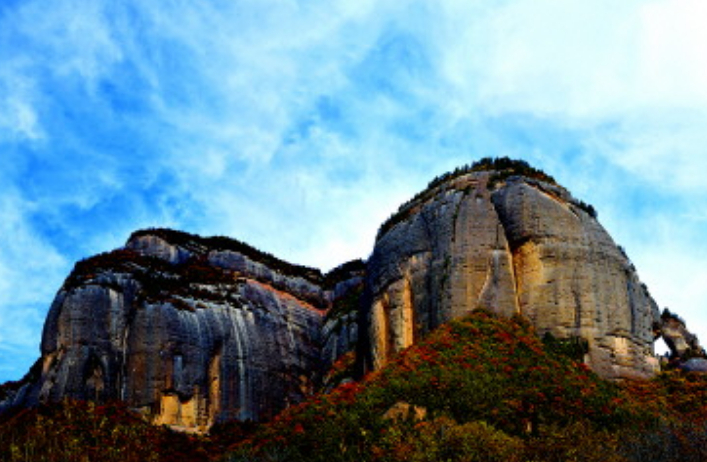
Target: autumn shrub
75 431
574 442
481 375
674 406
443 439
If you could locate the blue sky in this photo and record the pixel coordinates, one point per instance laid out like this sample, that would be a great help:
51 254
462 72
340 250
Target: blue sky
299 126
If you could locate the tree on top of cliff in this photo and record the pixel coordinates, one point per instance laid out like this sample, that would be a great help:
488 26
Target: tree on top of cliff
502 168
500 165
193 242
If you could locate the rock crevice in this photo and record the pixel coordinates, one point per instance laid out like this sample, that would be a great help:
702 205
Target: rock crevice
194 331
523 246
188 332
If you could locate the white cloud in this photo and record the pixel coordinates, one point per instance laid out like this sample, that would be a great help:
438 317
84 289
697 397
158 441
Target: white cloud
675 272
582 60
30 273
668 149
69 38
24 254
673 60
300 126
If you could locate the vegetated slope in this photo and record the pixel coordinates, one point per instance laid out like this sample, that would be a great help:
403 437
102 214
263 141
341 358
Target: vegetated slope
486 388
480 388
502 236
77 431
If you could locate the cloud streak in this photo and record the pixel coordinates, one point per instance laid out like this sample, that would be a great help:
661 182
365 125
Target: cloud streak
300 126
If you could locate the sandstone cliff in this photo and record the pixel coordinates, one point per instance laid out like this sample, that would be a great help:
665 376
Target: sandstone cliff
509 245
195 331
192 331
685 349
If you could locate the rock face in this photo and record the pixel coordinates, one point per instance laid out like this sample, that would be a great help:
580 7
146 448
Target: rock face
683 344
517 246
191 331
195 331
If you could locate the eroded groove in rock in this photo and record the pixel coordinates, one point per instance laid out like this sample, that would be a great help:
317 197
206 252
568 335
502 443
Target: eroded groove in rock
195 331
189 331
524 246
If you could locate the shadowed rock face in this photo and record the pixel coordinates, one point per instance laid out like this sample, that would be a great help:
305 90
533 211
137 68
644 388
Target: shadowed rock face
524 246
188 333
195 331
683 344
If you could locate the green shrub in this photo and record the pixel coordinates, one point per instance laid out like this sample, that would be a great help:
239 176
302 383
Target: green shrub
75 431
503 167
485 383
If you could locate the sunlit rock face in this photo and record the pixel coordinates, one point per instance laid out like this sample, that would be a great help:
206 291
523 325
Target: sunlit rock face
683 344
187 330
193 331
515 246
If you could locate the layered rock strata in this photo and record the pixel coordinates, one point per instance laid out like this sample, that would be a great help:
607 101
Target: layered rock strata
195 331
187 330
517 246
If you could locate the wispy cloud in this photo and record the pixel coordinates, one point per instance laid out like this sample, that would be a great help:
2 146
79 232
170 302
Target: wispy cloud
300 126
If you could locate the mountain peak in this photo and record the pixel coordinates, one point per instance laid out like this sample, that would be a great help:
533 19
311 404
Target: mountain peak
197 330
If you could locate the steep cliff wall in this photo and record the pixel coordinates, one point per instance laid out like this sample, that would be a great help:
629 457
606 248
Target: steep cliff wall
192 331
196 330
517 245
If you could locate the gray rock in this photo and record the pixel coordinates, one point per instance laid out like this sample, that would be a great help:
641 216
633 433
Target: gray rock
524 247
681 342
695 365
194 331
189 334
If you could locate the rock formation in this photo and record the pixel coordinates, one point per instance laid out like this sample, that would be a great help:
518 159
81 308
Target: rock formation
509 245
684 345
191 331
194 331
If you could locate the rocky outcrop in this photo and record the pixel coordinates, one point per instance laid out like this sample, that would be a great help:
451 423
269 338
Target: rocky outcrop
514 245
685 349
194 331
191 331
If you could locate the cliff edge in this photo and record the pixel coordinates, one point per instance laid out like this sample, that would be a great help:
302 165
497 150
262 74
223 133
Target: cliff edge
189 330
511 244
193 331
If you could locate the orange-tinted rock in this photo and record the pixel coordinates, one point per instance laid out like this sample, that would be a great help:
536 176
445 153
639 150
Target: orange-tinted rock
524 246
190 333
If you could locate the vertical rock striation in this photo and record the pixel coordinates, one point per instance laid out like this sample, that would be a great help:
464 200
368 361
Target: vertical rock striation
195 331
517 246
191 331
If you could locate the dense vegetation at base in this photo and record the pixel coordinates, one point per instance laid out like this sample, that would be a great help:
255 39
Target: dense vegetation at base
488 389
74 431
477 389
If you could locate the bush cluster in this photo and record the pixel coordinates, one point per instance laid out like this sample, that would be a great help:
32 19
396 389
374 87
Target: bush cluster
198 244
75 431
491 390
503 167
